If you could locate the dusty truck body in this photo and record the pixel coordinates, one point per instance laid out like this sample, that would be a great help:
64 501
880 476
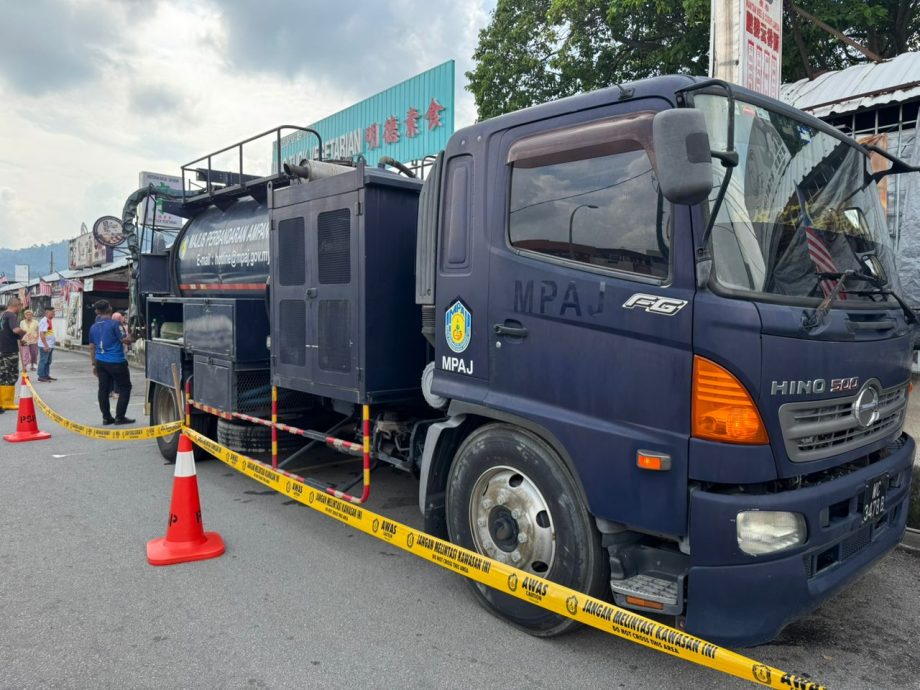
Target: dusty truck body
645 342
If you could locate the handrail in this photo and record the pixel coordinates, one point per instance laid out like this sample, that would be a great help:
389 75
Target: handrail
239 145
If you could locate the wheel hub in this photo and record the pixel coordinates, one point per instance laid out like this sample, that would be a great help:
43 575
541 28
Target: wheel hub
510 520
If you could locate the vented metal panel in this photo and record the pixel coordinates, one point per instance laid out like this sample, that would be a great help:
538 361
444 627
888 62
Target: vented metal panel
334 335
292 343
291 264
333 246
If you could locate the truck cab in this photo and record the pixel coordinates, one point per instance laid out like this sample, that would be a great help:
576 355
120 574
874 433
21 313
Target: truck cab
669 352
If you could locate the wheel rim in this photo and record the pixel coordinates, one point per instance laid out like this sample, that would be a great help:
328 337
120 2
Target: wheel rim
510 520
166 412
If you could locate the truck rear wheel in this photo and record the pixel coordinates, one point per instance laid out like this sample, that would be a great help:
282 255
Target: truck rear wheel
163 410
509 497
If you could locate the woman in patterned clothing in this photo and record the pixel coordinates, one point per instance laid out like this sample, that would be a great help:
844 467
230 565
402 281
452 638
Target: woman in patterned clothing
29 343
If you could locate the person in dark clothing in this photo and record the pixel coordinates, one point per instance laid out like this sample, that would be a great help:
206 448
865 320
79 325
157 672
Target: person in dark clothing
107 352
10 334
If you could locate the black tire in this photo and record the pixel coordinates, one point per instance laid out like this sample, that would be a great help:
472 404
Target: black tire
521 470
206 425
245 437
162 411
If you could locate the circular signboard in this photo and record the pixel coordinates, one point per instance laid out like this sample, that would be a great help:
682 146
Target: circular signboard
109 231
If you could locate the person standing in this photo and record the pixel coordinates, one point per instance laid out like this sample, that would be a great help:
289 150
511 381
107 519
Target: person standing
28 346
46 342
10 335
107 343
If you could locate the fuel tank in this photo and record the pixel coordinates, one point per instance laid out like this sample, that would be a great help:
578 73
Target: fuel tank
224 253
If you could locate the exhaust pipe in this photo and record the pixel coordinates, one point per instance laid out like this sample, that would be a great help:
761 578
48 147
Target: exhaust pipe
314 170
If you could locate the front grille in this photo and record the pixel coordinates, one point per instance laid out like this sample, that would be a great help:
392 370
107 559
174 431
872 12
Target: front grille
819 429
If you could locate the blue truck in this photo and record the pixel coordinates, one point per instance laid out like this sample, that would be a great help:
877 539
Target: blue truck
645 342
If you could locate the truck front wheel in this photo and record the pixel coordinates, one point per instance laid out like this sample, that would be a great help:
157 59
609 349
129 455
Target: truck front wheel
509 497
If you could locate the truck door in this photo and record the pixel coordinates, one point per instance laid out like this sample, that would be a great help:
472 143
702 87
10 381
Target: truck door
332 312
590 307
292 246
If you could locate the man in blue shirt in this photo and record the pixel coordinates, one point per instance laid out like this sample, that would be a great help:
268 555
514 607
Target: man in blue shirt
107 351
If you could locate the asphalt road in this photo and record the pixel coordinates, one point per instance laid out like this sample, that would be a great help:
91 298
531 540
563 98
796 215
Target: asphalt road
301 600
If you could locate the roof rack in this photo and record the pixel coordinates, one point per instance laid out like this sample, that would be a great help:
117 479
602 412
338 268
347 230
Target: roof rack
225 187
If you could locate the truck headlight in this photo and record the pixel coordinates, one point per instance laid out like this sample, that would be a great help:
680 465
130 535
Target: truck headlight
768 531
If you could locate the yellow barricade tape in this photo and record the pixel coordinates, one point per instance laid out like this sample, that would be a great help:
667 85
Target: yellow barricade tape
132 434
504 578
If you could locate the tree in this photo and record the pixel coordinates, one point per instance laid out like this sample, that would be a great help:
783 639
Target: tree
537 50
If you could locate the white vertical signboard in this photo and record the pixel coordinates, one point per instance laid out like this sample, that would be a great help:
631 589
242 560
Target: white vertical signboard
761 45
153 211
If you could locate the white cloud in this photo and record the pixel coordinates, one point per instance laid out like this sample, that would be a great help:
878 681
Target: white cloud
94 92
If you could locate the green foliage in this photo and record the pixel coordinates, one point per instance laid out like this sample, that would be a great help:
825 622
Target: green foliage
533 51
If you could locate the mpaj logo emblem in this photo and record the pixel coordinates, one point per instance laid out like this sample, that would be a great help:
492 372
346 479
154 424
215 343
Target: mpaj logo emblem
458 326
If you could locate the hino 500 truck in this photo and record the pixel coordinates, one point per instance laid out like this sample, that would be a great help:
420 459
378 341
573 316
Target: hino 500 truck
645 342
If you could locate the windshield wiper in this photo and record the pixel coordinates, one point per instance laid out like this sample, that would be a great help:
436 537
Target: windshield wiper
818 315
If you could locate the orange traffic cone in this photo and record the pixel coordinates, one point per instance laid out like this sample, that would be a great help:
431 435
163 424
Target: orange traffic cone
185 538
26 424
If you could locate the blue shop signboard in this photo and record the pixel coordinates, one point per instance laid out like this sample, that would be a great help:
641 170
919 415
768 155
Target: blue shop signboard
408 121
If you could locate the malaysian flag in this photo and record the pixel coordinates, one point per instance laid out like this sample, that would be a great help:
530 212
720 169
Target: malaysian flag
3 278
44 288
818 252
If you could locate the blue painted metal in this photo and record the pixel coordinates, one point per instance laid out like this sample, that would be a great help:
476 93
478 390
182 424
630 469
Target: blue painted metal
604 382
350 132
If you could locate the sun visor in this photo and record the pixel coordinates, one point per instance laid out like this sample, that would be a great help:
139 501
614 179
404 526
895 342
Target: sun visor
591 140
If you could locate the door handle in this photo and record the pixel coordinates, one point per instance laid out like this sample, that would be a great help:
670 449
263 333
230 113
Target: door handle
512 329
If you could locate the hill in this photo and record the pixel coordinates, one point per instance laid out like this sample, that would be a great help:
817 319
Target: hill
38 258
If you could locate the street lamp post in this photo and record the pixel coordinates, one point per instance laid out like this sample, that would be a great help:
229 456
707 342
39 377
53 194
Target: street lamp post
571 219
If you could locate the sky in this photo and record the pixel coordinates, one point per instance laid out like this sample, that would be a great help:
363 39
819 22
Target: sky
93 92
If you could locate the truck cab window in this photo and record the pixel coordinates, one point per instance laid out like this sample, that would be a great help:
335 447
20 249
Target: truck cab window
601 210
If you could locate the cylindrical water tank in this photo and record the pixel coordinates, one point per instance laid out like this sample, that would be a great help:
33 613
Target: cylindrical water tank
224 253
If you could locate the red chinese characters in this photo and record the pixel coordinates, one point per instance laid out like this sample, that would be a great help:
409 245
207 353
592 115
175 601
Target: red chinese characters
391 130
412 122
434 114
372 136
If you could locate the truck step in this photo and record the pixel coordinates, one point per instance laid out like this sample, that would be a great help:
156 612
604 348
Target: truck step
648 578
647 587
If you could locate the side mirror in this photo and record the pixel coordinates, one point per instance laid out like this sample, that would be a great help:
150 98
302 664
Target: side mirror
682 155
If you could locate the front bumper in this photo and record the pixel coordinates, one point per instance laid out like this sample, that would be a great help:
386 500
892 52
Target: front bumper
739 600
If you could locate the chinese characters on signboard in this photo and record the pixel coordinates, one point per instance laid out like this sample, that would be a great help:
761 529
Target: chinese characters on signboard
407 122
761 45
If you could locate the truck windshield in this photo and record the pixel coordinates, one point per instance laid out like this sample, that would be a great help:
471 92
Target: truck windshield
799 208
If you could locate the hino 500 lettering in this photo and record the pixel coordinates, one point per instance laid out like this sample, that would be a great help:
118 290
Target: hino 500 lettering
645 342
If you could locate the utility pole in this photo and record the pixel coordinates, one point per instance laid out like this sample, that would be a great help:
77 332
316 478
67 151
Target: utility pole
725 40
746 43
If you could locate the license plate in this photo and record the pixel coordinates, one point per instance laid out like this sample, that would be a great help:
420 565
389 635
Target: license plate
873 503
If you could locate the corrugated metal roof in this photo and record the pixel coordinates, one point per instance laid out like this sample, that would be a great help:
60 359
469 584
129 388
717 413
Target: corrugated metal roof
98 270
861 86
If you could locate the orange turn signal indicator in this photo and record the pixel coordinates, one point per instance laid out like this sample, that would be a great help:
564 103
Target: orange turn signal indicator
656 462
722 408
